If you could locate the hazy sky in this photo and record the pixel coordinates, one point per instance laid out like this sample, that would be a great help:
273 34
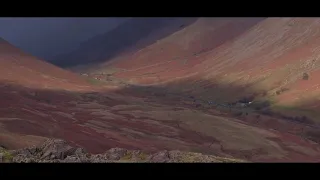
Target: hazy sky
47 37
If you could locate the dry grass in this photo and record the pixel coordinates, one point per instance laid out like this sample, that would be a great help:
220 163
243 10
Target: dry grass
7 156
188 157
131 157
179 157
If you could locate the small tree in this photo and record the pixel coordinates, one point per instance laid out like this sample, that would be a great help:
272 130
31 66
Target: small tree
305 76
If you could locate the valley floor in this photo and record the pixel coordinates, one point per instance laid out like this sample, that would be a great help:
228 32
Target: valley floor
135 119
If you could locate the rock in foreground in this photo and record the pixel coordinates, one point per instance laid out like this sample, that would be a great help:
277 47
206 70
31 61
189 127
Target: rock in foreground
58 151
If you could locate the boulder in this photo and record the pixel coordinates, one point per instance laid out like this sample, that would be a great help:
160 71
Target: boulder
115 153
162 156
56 148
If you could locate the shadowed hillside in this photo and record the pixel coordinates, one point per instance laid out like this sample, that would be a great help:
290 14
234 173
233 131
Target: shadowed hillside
277 57
130 36
171 113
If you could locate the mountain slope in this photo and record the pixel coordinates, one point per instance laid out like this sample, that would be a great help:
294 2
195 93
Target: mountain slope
54 103
265 58
40 100
127 35
21 68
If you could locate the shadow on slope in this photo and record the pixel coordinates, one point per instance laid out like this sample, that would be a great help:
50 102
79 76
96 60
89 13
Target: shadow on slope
147 118
228 95
133 34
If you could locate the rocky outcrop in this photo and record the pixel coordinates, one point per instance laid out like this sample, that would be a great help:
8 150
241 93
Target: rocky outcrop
58 151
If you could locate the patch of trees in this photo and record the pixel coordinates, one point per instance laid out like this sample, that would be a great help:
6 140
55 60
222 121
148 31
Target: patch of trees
305 76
